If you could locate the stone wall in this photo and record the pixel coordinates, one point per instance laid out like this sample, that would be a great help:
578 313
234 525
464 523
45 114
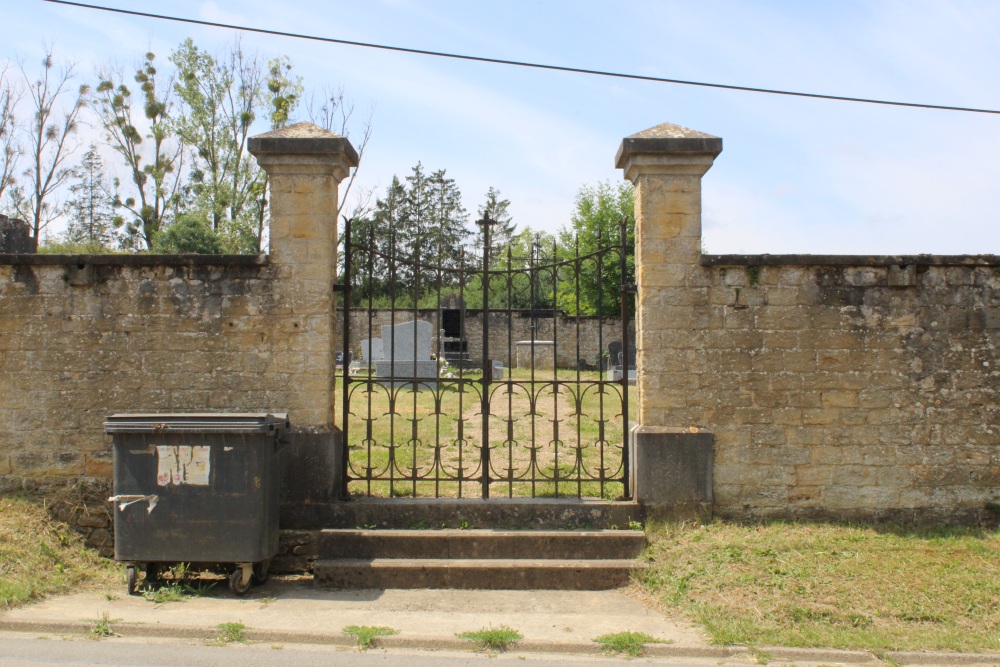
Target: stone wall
833 386
593 334
84 337
15 236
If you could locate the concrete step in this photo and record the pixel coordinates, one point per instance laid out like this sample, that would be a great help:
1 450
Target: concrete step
508 513
489 574
480 544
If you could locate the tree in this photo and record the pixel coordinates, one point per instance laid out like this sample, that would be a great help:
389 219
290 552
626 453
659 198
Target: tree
334 113
55 119
595 225
222 97
187 235
91 207
10 150
154 167
503 229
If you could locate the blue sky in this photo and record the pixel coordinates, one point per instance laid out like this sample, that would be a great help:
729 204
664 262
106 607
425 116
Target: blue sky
795 175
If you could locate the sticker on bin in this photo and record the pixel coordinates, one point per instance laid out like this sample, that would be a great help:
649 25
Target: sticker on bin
181 464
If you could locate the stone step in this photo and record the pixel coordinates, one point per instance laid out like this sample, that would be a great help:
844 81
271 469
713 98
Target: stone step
490 574
480 544
508 513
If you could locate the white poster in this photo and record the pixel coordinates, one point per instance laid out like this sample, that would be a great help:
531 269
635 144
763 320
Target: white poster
182 465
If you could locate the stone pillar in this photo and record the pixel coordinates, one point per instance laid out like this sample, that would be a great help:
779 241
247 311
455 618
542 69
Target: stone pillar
672 457
305 165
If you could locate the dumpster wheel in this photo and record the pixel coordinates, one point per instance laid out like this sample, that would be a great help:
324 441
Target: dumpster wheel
262 571
131 576
240 579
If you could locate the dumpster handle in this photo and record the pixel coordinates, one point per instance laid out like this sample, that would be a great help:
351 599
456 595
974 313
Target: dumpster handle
125 501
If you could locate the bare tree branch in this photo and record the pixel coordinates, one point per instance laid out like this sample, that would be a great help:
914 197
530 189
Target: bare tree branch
49 138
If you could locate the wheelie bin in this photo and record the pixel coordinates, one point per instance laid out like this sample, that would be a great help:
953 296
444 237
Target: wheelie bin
197 489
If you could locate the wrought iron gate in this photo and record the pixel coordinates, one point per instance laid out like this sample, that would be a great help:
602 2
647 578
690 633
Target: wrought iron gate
490 415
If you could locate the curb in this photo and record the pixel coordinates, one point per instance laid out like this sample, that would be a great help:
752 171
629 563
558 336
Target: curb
430 643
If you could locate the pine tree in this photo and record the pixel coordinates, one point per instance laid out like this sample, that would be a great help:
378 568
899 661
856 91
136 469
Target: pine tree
503 229
91 207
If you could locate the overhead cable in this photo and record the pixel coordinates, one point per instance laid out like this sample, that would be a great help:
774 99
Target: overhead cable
517 63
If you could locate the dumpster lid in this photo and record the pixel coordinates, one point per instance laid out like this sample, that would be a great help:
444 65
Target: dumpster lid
248 422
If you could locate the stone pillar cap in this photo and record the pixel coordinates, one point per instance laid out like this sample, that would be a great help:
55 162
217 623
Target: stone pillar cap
303 139
667 139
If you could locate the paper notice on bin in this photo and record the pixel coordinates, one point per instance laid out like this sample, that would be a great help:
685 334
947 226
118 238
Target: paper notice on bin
182 464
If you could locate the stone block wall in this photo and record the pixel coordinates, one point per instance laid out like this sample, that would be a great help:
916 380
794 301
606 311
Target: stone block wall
84 337
851 387
592 334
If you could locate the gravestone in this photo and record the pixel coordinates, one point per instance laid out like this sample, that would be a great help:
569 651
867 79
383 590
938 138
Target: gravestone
616 361
406 352
371 350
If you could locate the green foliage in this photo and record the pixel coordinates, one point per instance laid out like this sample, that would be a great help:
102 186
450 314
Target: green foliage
627 643
62 247
230 633
221 96
152 194
366 634
102 628
596 224
412 242
492 639
188 235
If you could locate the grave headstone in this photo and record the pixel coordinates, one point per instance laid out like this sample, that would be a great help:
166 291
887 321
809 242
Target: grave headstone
406 352
371 349
616 361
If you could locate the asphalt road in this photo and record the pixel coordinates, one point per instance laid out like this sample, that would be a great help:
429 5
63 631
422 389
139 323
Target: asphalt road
137 653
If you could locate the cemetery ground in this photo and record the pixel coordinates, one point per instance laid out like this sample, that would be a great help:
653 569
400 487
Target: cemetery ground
561 425
871 587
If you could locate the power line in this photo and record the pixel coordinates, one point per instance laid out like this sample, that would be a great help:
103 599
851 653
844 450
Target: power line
517 63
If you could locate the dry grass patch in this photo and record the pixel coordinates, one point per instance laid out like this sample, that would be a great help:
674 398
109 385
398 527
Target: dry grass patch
40 556
839 586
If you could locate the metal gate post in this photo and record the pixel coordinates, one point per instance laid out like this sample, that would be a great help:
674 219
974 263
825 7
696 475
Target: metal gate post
484 453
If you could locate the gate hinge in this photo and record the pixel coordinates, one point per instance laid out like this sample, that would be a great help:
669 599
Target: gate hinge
337 287
628 288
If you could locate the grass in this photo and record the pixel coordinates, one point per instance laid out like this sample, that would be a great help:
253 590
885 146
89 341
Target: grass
40 557
231 633
176 591
627 643
365 635
562 428
494 640
876 588
102 628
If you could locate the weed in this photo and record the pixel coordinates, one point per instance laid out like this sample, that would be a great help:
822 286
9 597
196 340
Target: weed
493 639
230 633
102 628
761 657
627 643
464 525
753 274
177 591
365 635
266 601
635 525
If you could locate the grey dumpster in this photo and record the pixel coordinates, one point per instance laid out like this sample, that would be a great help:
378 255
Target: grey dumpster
196 488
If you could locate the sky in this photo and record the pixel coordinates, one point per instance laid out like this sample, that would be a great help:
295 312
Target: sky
795 175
